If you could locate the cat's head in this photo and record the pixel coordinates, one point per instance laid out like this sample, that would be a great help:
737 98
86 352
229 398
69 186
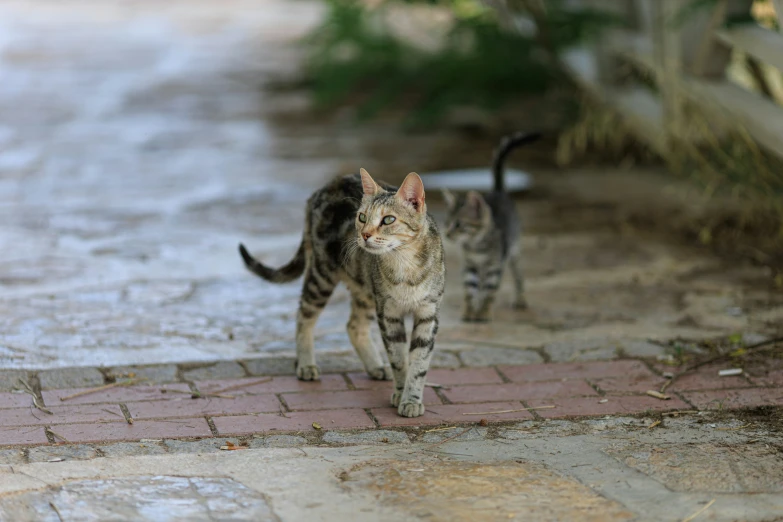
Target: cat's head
389 220
469 217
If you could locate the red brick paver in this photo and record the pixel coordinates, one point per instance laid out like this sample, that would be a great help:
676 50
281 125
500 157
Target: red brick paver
592 406
577 370
114 431
278 384
444 377
348 399
296 421
118 394
15 400
204 406
453 413
22 435
518 392
61 415
277 404
729 399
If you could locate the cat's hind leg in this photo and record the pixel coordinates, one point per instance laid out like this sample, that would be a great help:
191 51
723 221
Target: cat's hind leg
362 315
316 291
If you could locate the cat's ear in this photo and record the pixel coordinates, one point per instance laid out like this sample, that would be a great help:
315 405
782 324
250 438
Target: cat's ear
449 198
412 191
369 185
475 203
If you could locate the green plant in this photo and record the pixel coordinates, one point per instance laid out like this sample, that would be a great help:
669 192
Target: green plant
355 56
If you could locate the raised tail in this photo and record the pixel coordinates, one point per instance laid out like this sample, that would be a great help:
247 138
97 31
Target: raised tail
508 144
284 274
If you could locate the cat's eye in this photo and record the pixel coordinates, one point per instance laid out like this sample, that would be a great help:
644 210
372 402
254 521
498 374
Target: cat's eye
388 220
362 218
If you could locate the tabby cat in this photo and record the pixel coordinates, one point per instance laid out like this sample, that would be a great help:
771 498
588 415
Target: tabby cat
383 245
487 226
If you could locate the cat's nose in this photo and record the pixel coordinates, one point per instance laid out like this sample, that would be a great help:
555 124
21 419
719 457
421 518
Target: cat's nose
366 236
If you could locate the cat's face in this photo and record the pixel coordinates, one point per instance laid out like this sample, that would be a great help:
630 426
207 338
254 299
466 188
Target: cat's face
468 216
387 221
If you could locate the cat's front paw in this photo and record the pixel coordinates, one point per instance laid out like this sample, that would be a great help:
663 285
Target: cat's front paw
308 373
383 373
411 409
395 398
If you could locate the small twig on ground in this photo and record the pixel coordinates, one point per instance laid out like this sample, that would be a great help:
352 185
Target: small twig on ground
675 413
658 395
243 385
112 412
439 386
100 388
57 511
199 395
548 407
451 438
654 424
753 347
36 402
699 512
440 429
56 435
282 412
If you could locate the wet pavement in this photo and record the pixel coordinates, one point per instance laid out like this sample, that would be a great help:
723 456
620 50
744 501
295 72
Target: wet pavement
138 147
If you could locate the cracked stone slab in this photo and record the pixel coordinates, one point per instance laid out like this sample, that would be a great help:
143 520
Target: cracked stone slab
70 378
366 437
141 498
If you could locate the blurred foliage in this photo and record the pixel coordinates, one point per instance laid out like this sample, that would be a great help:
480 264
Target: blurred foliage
483 60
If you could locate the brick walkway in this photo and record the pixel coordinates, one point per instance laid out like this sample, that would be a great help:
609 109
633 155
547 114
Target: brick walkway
279 404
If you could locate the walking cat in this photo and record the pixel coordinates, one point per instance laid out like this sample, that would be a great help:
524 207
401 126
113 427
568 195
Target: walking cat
383 245
488 228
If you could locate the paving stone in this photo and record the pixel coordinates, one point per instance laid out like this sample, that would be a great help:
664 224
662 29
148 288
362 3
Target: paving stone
164 498
132 449
346 399
472 433
454 413
272 384
366 437
12 457
339 363
154 374
270 366
22 435
491 356
706 467
770 378
574 370
278 441
220 370
296 421
518 391
9 379
639 348
582 350
117 431
207 406
70 378
196 446
444 359
732 399
639 384
68 452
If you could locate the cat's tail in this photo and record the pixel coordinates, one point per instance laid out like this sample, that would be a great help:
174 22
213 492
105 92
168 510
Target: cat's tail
284 274
508 144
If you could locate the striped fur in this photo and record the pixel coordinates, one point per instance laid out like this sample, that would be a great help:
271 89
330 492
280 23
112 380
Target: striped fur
487 226
383 245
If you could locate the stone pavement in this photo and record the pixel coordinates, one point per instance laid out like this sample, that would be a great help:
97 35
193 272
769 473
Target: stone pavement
138 147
